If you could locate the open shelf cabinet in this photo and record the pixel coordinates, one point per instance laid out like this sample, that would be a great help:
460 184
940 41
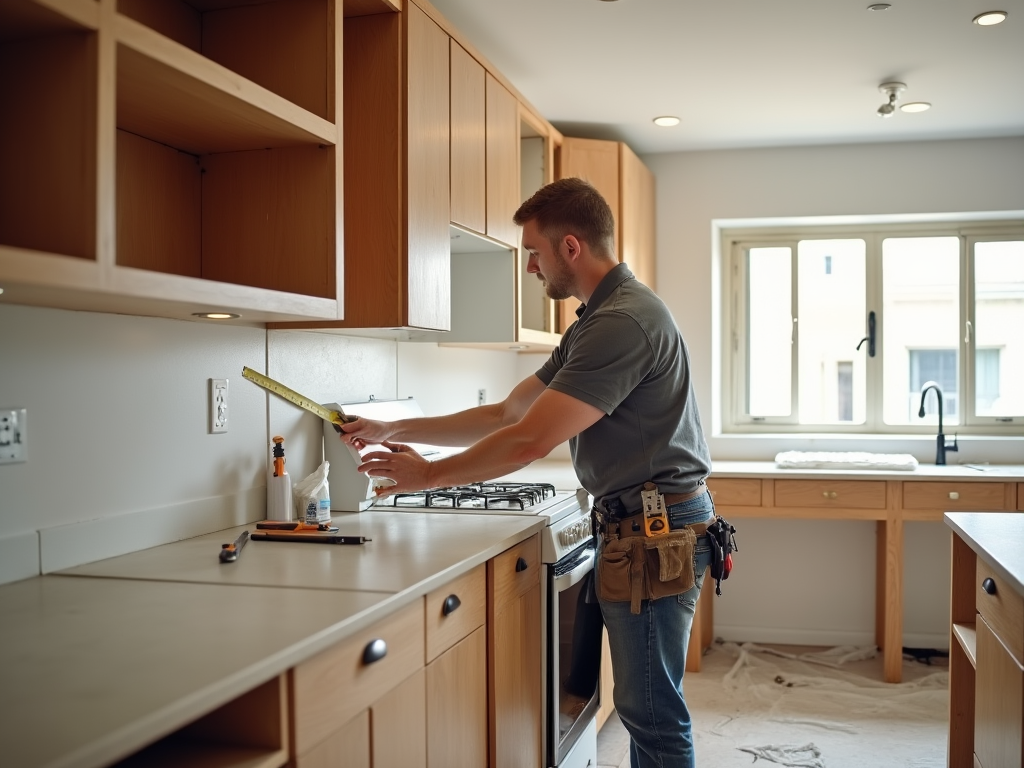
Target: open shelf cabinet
164 157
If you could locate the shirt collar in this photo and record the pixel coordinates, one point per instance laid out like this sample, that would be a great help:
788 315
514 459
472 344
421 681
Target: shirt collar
617 276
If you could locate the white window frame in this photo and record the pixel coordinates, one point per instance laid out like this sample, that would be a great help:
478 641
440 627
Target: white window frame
732 245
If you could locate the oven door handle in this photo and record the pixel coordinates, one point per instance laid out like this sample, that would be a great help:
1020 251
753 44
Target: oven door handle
585 566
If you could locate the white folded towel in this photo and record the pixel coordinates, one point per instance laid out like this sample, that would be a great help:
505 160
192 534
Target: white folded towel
845 460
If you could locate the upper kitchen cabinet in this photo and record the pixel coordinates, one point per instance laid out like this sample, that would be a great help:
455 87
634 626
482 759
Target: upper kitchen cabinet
396 145
484 150
496 303
628 186
161 157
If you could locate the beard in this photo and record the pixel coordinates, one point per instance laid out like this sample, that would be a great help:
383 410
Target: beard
558 285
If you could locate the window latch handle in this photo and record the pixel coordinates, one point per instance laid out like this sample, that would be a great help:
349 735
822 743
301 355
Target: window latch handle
870 338
967 332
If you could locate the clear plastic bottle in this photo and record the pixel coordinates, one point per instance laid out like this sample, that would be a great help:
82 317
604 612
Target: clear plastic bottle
279 487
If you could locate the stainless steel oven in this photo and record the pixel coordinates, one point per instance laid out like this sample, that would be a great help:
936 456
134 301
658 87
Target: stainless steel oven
572 669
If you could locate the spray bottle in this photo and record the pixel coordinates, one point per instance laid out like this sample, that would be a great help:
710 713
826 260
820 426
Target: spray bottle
279 487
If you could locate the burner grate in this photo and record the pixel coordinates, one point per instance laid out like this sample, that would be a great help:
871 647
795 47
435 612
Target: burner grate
485 495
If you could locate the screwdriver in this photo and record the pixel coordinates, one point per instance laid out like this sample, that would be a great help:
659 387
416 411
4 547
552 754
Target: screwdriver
230 552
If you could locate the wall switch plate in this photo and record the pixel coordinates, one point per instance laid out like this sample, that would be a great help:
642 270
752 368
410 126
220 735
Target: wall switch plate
13 435
218 406
481 396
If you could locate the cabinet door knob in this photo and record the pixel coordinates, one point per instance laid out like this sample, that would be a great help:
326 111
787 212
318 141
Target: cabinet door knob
829 494
521 564
375 650
954 495
989 586
450 604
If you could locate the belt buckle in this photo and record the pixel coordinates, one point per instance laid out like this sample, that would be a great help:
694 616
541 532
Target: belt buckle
655 519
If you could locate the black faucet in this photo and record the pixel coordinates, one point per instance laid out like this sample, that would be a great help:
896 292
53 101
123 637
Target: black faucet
940 440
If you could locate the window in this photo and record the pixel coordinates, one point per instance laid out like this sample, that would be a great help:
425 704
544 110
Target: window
839 330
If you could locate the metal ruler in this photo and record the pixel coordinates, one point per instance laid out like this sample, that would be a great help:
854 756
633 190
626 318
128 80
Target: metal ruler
279 389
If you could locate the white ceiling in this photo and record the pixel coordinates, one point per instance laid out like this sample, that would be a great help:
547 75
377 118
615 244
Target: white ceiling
754 73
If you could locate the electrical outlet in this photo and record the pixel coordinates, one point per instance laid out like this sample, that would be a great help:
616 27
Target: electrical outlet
13 435
481 396
218 406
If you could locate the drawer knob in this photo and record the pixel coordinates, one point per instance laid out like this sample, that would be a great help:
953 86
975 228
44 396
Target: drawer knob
521 564
954 495
829 494
989 586
375 650
450 604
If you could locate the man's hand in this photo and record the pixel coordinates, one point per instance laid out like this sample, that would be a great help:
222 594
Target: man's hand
409 470
363 432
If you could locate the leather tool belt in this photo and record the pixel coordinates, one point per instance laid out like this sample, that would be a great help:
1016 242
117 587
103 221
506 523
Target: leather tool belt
635 565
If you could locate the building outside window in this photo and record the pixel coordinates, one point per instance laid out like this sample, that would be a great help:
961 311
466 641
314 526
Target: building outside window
947 305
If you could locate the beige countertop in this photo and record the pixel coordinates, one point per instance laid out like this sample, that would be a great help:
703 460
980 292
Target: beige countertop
997 537
959 472
102 659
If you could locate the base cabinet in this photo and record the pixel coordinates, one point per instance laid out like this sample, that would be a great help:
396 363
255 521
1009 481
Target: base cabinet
514 653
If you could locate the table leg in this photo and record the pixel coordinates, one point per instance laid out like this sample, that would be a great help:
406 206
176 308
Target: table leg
889 594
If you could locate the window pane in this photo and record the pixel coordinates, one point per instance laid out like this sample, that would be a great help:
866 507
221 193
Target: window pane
920 307
998 334
769 331
831 321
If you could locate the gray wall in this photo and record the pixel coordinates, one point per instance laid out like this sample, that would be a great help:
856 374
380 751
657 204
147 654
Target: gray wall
812 582
120 457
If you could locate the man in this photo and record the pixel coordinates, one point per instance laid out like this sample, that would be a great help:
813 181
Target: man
618 388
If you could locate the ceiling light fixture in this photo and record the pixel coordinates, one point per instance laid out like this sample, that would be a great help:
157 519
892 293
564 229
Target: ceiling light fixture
916 106
893 91
879 7
216 315
666 121
990 18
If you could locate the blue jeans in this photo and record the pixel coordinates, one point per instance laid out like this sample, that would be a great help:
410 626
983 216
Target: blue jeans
648 654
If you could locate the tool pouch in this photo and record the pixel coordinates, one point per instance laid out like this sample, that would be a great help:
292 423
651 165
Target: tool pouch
723 543
637 568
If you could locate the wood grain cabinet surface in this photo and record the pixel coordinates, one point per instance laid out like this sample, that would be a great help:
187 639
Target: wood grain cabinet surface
164 159
986 670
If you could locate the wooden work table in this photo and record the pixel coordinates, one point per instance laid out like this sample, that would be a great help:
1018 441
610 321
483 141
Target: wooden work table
104 659
760 489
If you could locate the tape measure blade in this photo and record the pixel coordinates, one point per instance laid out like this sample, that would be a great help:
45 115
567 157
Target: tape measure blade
288 394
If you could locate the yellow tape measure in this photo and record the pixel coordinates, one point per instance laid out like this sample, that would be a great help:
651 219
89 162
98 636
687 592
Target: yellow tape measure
279 389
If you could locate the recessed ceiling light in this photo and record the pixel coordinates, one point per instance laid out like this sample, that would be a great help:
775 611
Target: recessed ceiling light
879 7
216 315
666 121
916 106
988 18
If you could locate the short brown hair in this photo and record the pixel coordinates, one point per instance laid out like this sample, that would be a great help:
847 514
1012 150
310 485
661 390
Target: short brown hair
571 206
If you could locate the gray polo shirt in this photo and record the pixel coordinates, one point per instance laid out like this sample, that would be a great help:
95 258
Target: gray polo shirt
626 356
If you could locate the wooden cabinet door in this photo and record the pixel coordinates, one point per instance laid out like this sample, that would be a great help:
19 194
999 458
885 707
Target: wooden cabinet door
999 703
636 224
348 747
398 725
429 247
468 148
457 705
514 653
502 162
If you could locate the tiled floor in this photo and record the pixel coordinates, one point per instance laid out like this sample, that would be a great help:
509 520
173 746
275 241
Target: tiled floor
613 744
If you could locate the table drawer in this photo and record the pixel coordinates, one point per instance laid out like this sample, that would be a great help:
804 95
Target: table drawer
1002 608
953 496
332 688
515 571
736 492
455 610
849 494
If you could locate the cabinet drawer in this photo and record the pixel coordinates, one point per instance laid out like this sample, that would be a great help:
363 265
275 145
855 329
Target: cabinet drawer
332 688
515 571
736 492
1002 608
954 496
850 494
450 620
